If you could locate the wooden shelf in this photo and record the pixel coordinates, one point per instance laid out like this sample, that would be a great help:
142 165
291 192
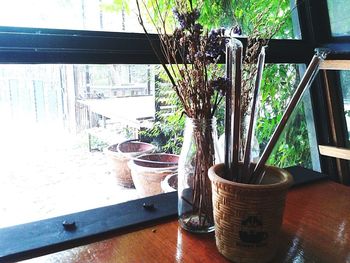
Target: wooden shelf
336 152
335 65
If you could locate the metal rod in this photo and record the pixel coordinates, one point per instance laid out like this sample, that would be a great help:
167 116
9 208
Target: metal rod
251 127
228 114
238 51
309 75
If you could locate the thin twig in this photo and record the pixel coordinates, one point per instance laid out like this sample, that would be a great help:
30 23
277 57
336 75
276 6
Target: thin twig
152 45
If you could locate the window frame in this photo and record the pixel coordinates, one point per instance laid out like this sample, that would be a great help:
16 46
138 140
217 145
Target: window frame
316 30
38 45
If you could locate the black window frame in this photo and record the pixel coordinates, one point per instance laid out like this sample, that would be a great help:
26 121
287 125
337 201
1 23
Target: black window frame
39 45
316 30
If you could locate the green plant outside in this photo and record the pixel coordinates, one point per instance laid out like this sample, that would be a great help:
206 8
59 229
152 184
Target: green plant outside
293 147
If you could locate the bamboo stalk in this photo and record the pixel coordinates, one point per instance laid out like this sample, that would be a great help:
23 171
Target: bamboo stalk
309 75
248 144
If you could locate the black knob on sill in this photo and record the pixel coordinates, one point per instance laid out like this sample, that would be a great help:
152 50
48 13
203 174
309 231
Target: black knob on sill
69 225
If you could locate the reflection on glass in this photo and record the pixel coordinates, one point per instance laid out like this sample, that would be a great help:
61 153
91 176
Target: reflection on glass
345 86
339 15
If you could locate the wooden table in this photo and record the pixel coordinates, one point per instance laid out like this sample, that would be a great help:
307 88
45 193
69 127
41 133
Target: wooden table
130 111
316 228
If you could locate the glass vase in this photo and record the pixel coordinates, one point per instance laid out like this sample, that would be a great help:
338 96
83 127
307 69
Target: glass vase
199 152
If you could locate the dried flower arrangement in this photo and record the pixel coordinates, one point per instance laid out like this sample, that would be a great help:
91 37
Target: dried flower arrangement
192 54
195 78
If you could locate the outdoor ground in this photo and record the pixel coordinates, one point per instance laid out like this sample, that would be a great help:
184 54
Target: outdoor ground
47 172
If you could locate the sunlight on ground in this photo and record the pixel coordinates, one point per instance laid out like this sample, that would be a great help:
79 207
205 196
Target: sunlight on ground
47 172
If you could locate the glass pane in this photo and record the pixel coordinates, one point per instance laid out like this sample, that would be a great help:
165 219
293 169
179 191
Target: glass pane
280 18
105 15
58 122
296 144
339 15
120 15
345 85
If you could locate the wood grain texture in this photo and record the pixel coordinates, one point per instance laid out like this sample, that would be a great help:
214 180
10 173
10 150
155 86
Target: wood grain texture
335 64
316 228
336 152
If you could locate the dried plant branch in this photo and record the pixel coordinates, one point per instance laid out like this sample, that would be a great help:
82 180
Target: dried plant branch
171 78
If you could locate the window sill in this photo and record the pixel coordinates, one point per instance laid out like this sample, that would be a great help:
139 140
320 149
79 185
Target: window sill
308 234
49 236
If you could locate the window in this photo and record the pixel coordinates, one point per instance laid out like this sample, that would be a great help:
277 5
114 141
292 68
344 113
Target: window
97 15
75 60
59 119
339 17
297 144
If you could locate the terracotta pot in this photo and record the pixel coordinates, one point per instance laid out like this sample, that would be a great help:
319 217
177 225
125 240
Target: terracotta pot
149 170
169 184
121 154
248 217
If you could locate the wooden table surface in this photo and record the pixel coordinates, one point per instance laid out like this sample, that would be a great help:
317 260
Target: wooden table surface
316 228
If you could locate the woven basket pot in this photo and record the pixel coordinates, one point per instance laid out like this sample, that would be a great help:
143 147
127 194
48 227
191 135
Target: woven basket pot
248 217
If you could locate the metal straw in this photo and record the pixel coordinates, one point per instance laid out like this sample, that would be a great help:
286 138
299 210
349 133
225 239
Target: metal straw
238 52
247 151
228 114
309 75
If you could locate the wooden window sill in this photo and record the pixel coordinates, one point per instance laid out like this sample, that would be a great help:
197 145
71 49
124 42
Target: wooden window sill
316 228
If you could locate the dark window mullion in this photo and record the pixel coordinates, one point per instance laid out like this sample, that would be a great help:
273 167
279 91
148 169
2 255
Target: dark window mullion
320 21
18 45
314 21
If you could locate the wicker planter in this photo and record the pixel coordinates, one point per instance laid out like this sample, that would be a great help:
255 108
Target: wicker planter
149 170
121 154
248 217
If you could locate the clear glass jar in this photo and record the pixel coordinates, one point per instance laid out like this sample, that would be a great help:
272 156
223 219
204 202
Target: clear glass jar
199 152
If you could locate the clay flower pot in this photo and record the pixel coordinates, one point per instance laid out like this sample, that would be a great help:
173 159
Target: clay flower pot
121 154
169 184
149 170
248 217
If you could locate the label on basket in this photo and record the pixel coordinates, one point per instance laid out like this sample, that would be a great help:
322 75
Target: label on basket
251 233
